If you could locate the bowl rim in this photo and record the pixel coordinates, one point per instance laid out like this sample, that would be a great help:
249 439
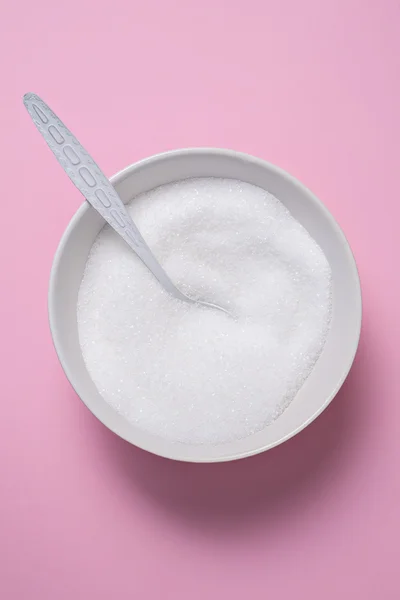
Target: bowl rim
118 178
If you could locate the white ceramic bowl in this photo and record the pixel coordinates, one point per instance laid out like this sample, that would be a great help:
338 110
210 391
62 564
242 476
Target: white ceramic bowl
339 351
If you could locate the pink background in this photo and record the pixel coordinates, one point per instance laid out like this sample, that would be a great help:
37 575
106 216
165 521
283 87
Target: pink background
312 86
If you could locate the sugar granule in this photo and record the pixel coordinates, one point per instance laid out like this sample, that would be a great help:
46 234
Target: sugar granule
192 374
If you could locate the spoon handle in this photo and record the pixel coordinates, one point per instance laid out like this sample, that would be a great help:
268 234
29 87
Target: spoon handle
93 184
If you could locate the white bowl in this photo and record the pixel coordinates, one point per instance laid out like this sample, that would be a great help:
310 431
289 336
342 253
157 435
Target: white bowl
339 351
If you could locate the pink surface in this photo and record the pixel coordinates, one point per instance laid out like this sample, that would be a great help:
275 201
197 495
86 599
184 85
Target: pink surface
312 86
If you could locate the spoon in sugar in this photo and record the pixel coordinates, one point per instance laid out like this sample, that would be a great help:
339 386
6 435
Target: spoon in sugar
98 190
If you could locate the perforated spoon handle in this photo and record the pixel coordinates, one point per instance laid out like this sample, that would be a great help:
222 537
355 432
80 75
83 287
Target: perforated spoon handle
93 184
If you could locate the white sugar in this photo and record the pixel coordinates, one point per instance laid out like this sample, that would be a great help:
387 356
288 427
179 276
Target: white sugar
191 374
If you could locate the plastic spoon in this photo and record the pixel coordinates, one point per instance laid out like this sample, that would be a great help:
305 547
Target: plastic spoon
97 189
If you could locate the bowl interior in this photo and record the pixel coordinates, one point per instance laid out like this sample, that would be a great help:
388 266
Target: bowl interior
336 358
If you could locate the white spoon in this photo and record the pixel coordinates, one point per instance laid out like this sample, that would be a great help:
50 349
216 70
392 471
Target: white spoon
97 189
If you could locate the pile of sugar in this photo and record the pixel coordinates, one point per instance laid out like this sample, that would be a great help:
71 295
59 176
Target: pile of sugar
192 374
